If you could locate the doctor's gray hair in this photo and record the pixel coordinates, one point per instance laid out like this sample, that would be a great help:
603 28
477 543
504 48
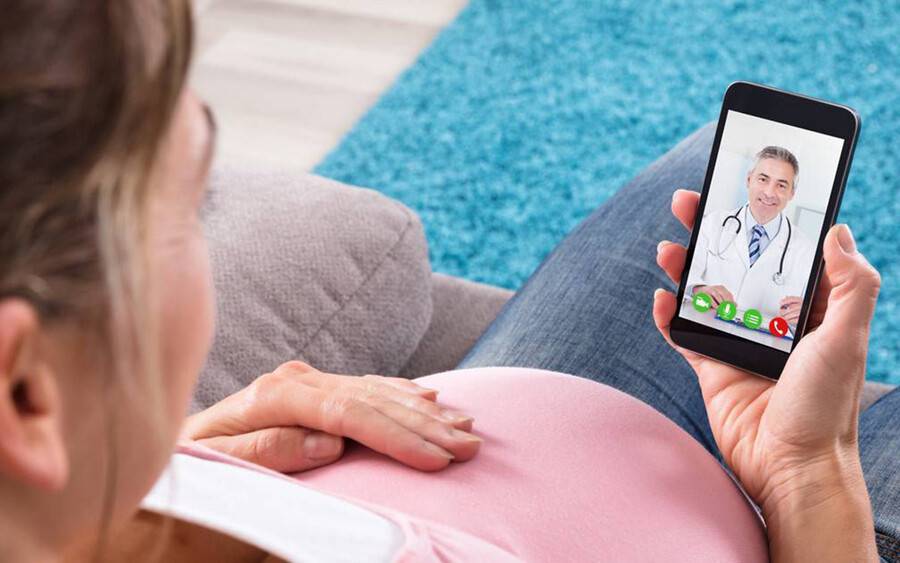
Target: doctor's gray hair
782 154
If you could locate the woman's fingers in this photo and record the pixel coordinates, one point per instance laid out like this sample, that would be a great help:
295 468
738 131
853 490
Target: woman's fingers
855 285
357 419
373 385
461 444
407 385
287 449
663 311
311 376
397 418
343 414
398 389
820 303
280 400
684 206
670 256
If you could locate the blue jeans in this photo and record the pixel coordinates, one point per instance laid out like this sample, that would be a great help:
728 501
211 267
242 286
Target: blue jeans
586 311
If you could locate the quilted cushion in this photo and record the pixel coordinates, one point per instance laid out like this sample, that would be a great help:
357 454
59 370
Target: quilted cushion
307 268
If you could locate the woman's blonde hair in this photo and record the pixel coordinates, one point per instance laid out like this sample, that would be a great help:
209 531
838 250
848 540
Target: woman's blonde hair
88 89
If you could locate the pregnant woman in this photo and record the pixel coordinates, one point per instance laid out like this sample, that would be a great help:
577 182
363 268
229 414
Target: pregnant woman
596 441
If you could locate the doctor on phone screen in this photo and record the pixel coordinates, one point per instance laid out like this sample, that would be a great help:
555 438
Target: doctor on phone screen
754 256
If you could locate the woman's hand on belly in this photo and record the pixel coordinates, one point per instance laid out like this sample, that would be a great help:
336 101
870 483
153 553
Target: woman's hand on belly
793 444
297 417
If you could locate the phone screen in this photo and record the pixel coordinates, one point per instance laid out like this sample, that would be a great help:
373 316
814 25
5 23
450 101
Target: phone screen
763 218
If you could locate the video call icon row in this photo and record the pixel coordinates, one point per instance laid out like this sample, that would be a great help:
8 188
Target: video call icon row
727 311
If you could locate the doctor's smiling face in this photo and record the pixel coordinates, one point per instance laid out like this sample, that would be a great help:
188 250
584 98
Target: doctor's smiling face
771 183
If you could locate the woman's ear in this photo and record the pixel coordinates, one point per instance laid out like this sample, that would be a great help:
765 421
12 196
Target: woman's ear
32 449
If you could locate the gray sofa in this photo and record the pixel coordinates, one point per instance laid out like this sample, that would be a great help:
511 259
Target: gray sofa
337 276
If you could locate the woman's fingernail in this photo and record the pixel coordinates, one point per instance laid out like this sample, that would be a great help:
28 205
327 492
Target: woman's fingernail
661 244
845 239
455 416
657 292
462 435
434 449
320 446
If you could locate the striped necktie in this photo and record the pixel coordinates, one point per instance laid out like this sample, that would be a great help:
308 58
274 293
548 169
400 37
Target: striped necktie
758 233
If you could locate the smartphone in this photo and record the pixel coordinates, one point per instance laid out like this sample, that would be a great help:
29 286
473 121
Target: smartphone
774 183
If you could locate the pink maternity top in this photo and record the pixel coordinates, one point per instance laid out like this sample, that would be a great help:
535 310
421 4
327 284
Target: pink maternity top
570 470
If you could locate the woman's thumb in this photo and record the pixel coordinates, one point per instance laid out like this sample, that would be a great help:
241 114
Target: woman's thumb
854 285
287 449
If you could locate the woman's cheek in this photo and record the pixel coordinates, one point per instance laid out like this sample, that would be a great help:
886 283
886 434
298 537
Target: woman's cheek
188 317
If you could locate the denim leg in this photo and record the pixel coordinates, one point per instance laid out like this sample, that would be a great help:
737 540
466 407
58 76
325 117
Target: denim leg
879 444
587 310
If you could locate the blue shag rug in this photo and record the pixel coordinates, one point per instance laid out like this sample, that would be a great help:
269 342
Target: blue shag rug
525 115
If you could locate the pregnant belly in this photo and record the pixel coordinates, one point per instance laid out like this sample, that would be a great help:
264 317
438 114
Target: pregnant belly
569 470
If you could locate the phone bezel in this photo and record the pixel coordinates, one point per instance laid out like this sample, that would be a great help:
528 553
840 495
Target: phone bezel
791 109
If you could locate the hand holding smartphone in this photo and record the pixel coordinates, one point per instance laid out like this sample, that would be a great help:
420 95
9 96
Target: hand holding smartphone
792 443
773 187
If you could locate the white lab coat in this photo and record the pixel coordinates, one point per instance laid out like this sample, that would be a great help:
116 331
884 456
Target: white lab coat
753 288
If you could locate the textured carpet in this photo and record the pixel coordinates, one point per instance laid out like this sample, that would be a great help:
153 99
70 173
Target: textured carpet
524 115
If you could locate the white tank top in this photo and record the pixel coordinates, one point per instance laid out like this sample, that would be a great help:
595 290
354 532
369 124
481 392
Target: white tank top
285 519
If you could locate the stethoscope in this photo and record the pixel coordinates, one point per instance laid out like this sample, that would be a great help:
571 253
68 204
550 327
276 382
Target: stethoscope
777 277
